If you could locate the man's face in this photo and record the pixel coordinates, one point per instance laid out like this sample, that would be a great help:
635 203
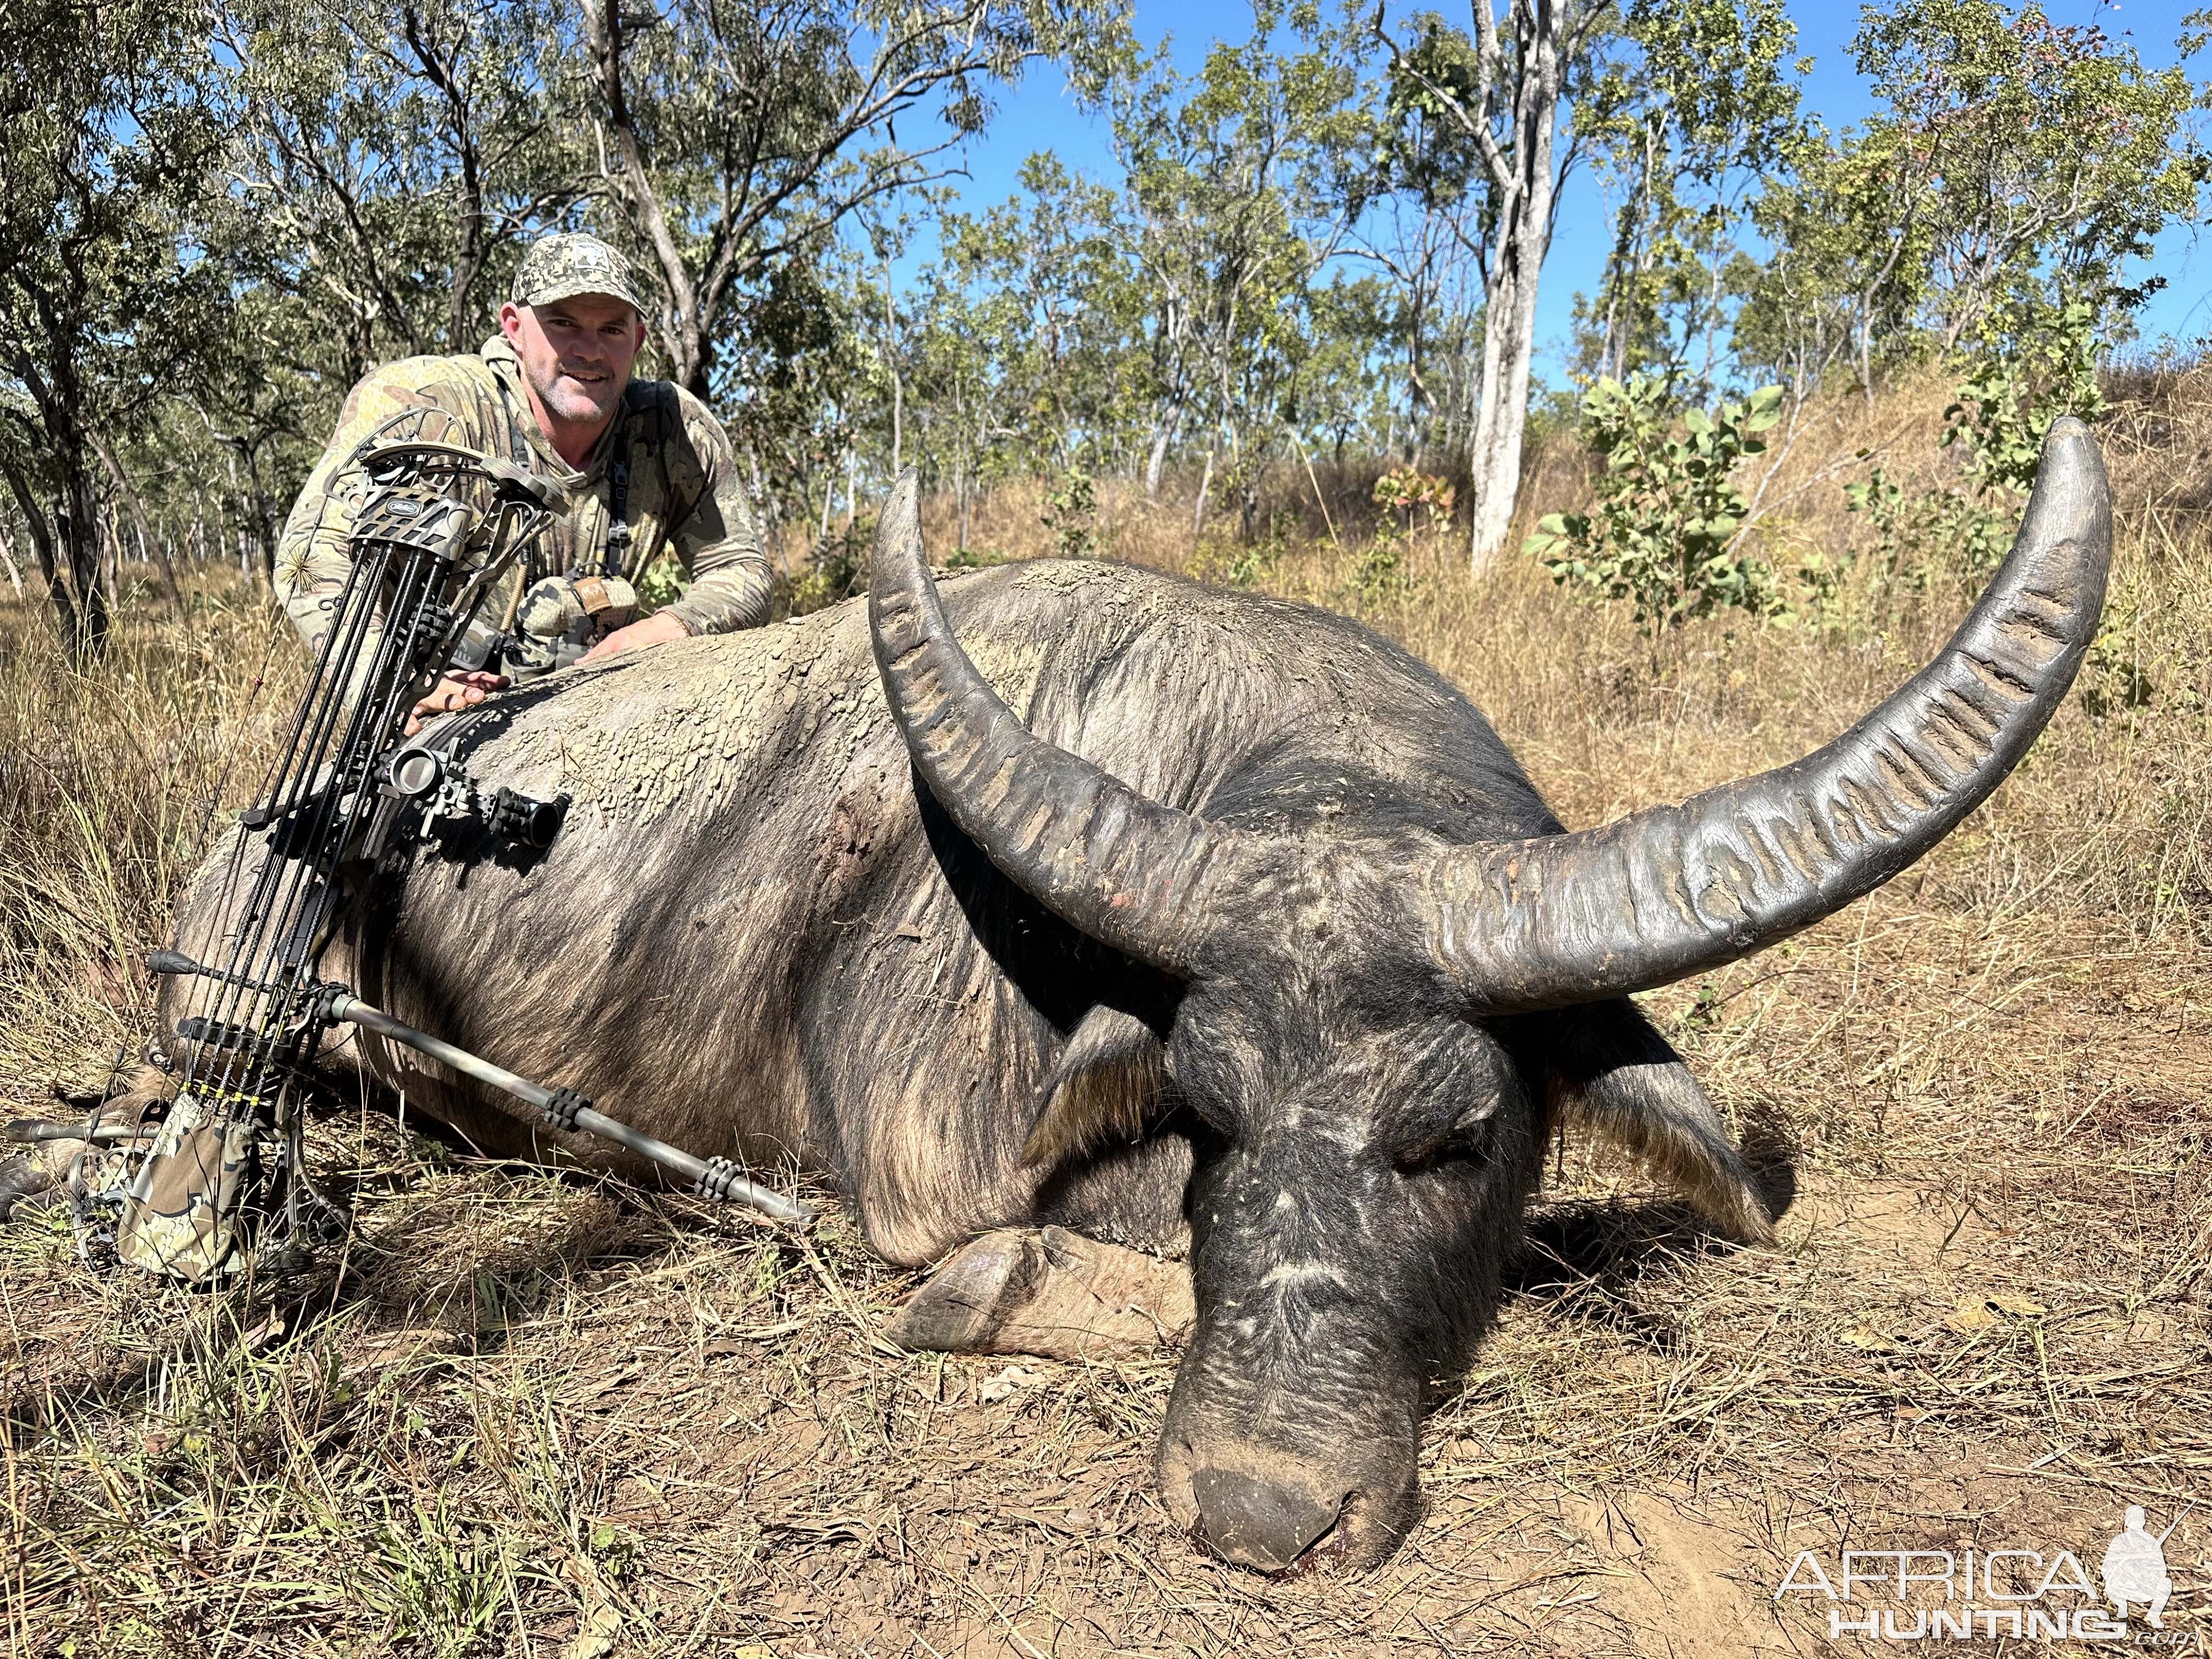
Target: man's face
576 353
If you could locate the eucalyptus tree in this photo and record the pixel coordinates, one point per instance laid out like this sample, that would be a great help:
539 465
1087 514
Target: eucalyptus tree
963 420
391 158
1412 218
1700 109
1236 200
1340 388
2011 162
253 414
731 136
1492 103
2048 154
1848 236
1056 310
107 141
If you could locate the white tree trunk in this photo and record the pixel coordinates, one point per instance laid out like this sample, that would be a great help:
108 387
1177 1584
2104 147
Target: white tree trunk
1507 348
1156 463
1509 334
1513 123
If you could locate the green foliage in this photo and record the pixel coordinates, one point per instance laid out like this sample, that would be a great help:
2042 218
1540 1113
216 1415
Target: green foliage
835 570
1033 341
794 374
1704 107
1379 572
614 1549
1071 513
1223 557
1253 563
1413 495
2012 162
2113 678
387 155
1342 386
438 1579
294 194
1909 526
737 137
1474 145
1665 533
2042 156
1416 507
2038 363
2125 671
108 142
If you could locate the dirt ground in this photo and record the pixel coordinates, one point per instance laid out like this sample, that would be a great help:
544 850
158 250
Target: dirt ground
523 1415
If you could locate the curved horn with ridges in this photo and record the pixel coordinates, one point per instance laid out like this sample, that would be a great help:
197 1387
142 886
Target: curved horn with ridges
1674 890
1125 870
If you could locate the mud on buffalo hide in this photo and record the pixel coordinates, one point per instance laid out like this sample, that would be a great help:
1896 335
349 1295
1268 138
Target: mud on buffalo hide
755 936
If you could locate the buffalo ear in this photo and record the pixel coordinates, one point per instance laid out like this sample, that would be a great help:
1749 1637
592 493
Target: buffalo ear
1108 1086
1610 1071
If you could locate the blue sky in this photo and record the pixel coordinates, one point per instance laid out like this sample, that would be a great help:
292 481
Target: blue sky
1041 116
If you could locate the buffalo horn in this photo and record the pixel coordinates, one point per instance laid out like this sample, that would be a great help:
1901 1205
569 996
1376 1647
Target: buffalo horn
1125 870
1674 890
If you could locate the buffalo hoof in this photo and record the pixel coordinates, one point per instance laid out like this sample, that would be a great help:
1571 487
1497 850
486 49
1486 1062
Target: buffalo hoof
1051 1293
24 1186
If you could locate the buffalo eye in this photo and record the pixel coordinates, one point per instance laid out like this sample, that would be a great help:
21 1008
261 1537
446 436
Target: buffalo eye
1461 1134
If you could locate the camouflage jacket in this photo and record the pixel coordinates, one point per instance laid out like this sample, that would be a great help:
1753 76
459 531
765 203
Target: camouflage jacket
682 497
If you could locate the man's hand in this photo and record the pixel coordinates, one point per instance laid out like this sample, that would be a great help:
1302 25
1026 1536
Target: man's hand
659 629
459 690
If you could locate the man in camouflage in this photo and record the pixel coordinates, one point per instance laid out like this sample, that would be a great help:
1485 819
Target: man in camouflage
643 470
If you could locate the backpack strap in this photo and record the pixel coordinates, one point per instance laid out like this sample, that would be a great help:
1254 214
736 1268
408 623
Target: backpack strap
639 400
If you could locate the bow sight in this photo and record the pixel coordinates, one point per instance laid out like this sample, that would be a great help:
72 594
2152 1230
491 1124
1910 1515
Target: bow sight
437 528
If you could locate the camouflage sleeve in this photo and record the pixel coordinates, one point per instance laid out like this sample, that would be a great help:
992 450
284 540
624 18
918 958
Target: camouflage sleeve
315 551
720 539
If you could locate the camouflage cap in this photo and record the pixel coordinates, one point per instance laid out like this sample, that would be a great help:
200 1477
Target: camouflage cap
560 267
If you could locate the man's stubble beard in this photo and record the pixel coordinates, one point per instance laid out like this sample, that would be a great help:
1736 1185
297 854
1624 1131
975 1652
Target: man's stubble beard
574 402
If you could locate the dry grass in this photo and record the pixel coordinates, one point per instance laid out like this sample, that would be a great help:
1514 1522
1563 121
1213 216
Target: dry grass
526 1416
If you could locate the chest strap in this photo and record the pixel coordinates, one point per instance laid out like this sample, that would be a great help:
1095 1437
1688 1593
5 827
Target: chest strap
614 557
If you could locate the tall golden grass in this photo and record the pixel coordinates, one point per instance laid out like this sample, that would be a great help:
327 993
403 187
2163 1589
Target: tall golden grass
521 1416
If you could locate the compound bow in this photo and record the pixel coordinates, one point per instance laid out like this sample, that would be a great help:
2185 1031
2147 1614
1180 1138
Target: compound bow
436 529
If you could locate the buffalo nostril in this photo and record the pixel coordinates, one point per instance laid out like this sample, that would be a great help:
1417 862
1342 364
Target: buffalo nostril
1258 1524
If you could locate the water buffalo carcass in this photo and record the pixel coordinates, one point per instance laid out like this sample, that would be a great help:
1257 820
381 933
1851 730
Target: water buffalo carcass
1182 919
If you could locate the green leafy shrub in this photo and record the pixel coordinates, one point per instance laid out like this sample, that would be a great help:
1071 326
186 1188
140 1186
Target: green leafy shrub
1413 495
2115 679
1222 557
1666 532
1379 572
661 583
2037 361
2007 403
1415 506
836 569
1071 513
1909 525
